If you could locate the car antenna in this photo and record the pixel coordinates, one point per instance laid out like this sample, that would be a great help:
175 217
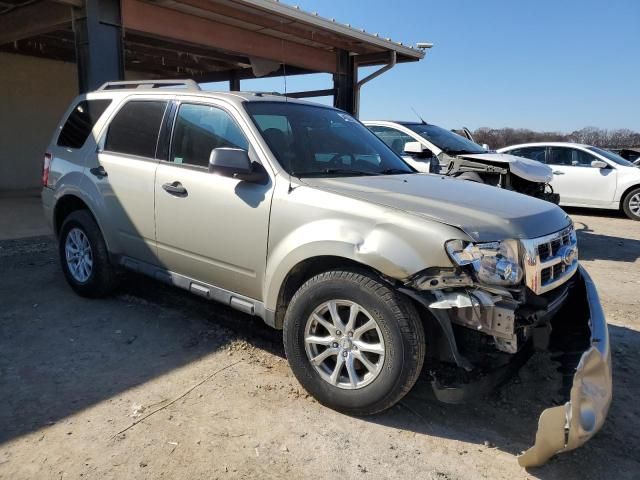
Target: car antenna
418 115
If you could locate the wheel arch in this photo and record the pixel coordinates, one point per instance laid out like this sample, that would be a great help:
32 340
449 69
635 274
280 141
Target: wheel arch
627 191
307 269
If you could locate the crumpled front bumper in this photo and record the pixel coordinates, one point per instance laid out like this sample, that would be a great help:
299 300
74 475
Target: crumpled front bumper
566 427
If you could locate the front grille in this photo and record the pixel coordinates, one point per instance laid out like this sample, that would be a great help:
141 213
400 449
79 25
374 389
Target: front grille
551 260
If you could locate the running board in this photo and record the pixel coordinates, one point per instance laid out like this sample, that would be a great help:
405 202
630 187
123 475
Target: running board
210 292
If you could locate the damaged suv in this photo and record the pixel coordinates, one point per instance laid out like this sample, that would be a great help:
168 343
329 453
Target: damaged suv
298 214
432 149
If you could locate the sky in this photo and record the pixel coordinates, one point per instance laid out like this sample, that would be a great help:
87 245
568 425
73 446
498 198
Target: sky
553 65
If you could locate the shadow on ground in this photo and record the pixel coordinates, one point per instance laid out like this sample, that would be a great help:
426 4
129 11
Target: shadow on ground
595 246
60 354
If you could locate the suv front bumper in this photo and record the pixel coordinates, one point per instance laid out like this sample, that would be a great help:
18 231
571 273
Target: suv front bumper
566 427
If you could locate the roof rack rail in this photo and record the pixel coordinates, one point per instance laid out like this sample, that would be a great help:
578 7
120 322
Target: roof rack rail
188 83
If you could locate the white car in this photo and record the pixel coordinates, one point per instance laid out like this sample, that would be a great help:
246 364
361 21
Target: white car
432 149
587 176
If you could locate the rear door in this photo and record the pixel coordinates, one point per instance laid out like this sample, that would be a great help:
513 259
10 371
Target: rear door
123 171
210 228
577 182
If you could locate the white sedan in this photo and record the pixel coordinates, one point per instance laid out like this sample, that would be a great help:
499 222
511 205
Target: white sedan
587 176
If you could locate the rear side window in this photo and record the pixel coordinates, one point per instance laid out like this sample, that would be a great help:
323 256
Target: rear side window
134 130
80 122
532 153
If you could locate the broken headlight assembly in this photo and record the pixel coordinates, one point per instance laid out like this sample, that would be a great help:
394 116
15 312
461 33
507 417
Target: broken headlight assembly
494 263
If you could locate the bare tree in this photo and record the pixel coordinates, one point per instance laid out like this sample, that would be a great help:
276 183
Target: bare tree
503 137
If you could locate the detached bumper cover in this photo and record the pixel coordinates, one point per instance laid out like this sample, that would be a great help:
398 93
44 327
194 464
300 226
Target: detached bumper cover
566 427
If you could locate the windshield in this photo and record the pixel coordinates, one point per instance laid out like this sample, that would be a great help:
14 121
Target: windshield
322 142
450 142
612 156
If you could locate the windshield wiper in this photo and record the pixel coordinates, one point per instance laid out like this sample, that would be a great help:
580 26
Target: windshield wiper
462 152
395 171
334 171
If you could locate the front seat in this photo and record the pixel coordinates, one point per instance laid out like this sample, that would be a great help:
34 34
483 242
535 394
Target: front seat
398 146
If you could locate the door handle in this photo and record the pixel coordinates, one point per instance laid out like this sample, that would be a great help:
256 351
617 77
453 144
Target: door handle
176 189
99 172
558 172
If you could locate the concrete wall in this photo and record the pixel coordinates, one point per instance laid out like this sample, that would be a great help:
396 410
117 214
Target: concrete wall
34 93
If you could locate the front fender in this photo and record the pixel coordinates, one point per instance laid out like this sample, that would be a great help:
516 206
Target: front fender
397 249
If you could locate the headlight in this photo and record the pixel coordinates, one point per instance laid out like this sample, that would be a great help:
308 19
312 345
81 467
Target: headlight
495 263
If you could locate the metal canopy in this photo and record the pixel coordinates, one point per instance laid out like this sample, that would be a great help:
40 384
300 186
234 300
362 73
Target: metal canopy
207 40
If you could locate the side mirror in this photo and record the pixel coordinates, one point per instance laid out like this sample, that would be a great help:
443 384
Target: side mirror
414 147
486 146
599 164
234 163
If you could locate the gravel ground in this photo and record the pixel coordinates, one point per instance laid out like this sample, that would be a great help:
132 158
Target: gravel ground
155 383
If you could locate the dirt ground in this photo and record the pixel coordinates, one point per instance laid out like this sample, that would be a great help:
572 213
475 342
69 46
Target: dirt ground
155 383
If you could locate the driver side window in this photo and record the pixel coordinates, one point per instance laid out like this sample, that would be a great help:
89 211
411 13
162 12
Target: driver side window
395 139
570 157
201 128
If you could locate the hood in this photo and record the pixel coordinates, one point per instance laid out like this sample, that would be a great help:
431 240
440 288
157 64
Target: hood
483 212
522 167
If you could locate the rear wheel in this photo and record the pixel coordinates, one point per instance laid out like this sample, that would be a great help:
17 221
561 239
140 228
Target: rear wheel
631 204
352 342
84 257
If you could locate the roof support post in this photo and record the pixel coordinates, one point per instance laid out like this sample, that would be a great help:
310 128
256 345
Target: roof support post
234 82
344 83
98 35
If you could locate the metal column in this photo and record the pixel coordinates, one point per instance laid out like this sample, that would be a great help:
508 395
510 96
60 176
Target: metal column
344 83
98 35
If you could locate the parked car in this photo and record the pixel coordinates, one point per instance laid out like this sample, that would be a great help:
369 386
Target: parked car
298 214
587 176
429 148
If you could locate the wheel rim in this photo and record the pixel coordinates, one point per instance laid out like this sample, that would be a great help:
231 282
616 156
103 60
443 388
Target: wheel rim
79 255
634 204
344 344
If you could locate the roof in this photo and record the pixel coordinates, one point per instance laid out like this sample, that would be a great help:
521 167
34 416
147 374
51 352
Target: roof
208 40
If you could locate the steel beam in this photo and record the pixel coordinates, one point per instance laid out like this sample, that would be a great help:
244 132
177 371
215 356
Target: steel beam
344 83
173 24
98 34
312 93
32 20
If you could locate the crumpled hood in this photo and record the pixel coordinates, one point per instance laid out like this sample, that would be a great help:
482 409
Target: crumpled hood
522 167
483 212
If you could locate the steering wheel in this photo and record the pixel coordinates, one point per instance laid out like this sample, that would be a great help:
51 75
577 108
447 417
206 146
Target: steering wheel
334 160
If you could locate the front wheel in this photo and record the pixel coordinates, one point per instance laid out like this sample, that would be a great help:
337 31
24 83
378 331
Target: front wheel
631 204
352 342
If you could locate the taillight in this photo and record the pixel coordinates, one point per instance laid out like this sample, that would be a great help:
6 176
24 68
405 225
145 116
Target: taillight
45 168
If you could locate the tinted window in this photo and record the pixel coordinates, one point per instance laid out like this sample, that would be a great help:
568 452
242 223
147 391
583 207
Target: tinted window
134 130
570 157
612 156
533 153
201 128
318 141
449 142
81 120
395 139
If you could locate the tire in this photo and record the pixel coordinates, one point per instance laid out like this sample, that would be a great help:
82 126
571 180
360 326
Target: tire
100 275
362 390
631 204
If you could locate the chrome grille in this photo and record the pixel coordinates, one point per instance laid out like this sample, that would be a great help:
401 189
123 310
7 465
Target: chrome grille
551 260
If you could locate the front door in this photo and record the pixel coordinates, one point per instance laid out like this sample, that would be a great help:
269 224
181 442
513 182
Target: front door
577 182
123 172
209 227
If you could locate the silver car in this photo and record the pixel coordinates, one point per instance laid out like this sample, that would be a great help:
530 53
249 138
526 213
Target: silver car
298 214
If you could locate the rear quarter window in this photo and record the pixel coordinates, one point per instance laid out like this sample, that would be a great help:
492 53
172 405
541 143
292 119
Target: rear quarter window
135 128
80 123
